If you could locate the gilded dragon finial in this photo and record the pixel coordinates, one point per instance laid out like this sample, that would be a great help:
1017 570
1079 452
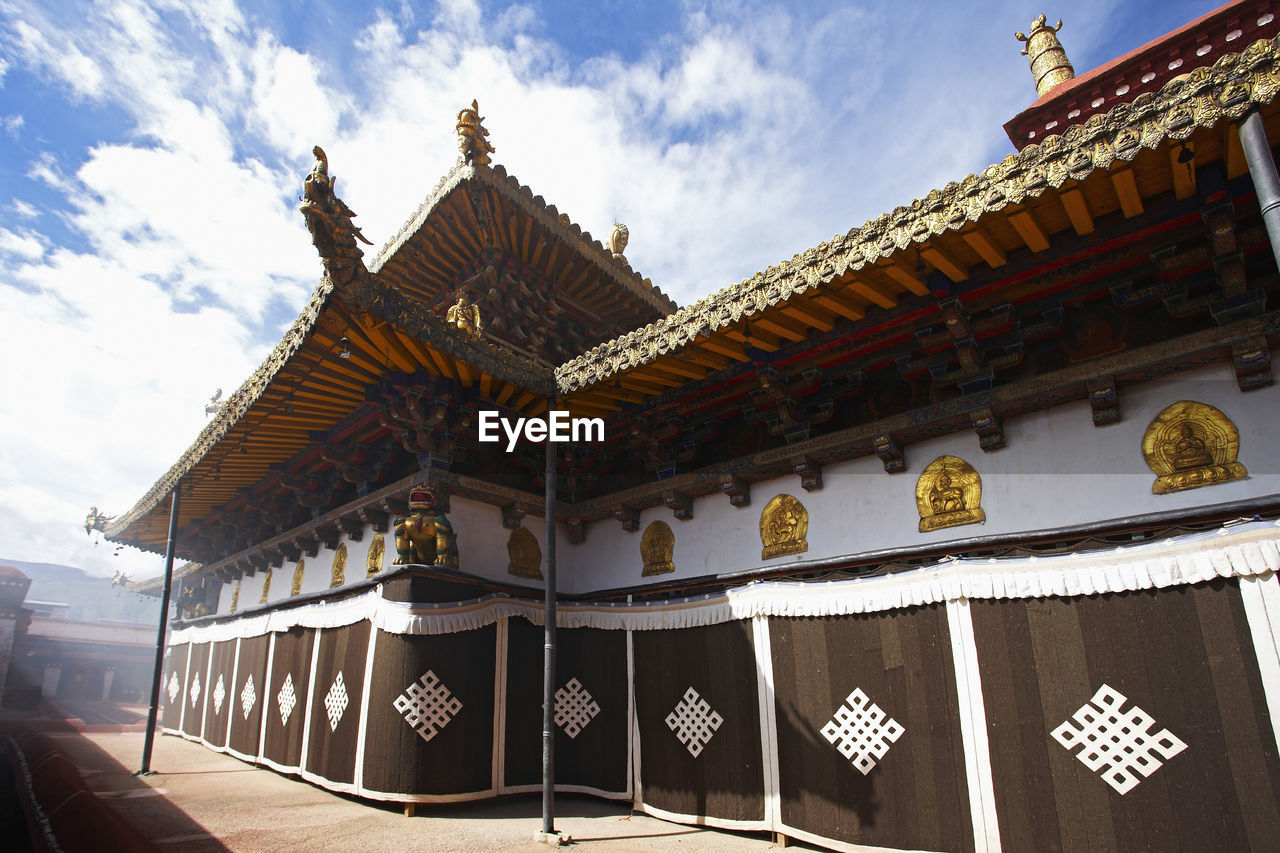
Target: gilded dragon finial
473 143
328 217
1048 60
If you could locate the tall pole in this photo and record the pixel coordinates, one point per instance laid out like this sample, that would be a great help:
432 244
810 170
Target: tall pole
1262 169
549 642
154 710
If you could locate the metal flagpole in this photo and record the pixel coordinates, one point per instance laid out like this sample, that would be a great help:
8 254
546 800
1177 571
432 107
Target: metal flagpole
164 625
549 641
1262 169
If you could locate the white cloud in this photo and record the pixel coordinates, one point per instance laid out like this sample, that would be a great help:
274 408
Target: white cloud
26 246
747 133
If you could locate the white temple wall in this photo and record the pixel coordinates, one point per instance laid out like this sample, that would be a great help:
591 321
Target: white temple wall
1057 470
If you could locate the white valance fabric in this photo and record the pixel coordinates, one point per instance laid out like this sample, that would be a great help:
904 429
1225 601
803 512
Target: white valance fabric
1244 550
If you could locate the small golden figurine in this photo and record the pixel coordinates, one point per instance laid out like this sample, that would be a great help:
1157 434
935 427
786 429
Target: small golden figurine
525 554
266 588
465 315
949 494
296 586
338 574
784 523
1189 445
657 546
473 140
373 561
425 536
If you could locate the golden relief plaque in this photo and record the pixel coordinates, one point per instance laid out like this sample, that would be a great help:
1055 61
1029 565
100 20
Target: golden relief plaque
657 545
296 586
784 523
266 588
949 494
339 566
235 597
525 554
1190 445
373 562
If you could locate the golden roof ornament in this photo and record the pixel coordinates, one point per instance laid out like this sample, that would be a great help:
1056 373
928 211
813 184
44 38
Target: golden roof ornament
617 243
473 143
465 316
1049 63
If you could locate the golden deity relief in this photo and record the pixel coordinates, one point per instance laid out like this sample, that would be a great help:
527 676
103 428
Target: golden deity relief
465 316
339 571
657 546
235 597
1189 445
373 561
784 523
949 494
266 588
296 586
525 554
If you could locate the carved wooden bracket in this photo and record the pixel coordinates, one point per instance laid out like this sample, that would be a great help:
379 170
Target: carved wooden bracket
989 428
1104 399
1251 361
890 453
809 472
310 545
738 490
353 527
329 536
680 504
577 531
512 515
629 517
375 518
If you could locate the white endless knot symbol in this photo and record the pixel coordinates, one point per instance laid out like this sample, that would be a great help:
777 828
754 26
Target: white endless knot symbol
248 696
694 722
173 687
574 708
219 693
1117 743
286 699
335 703
862 731
195 690
427 706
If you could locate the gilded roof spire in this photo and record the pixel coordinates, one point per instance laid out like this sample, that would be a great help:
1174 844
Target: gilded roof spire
473 142
1049 63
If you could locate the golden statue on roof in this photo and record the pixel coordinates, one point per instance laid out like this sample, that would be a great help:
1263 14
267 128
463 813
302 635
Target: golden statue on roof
473 143
328 218
465 315
1049 63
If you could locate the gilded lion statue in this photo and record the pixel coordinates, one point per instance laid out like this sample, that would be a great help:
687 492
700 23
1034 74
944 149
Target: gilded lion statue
425 536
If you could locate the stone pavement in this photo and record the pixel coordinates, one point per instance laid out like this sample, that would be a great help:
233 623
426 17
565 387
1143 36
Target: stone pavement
200 801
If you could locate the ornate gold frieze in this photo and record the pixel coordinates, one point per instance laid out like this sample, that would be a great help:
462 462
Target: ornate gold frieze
657 547
784 524
949 494
525 554
1228 89
1189 445
373 561
266 588
339 571
296 586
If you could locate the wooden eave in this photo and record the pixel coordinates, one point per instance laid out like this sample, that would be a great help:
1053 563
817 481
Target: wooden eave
892 268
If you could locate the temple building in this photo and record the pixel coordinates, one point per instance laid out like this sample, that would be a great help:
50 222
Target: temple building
957 531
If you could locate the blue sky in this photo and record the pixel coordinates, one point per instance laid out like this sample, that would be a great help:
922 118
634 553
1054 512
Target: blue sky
151 155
